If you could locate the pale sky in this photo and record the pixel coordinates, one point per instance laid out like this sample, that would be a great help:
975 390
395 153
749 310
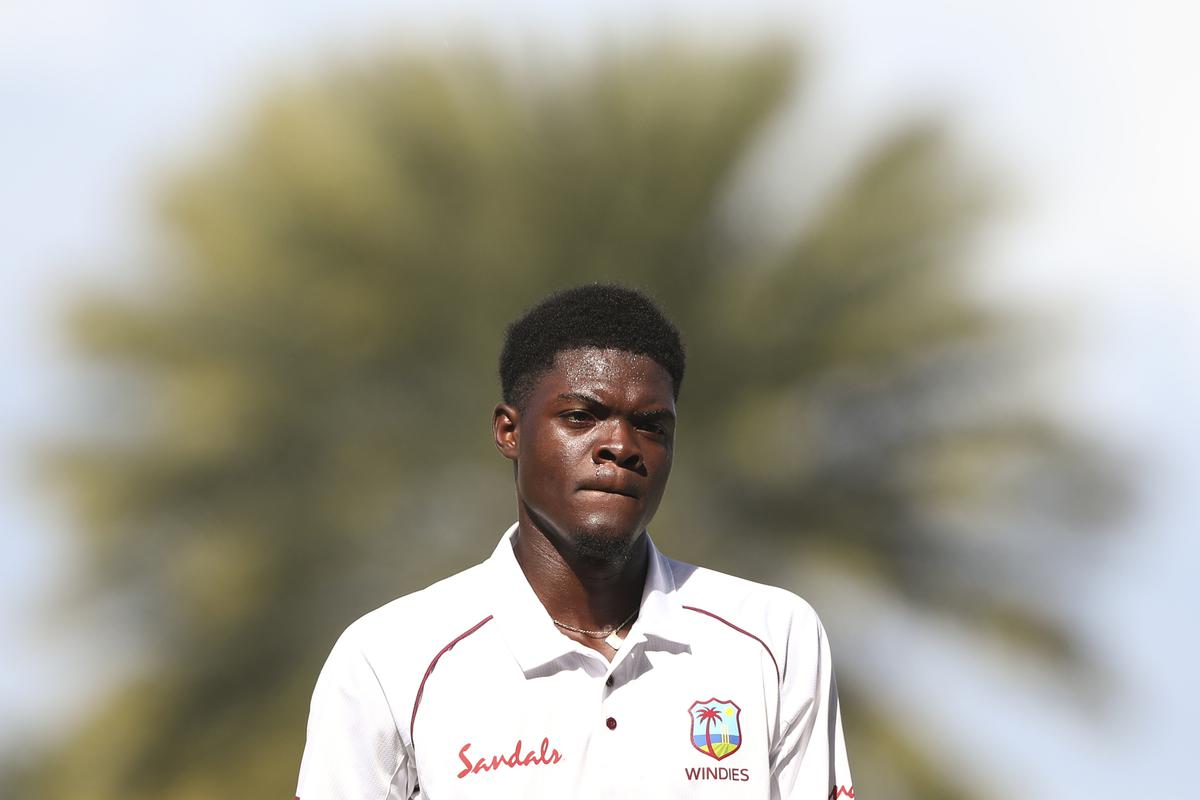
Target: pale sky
1088 109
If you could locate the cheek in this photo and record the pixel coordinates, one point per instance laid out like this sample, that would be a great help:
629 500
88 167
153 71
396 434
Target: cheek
551 456
662 471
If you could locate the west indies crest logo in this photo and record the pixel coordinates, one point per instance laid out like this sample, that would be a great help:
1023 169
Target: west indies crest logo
716 728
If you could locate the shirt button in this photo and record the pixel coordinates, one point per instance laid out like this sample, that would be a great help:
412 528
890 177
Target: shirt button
609 682
611 723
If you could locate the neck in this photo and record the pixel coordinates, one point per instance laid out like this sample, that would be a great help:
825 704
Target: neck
580 591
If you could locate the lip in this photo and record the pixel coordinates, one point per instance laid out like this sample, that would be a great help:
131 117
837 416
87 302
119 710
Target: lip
606 487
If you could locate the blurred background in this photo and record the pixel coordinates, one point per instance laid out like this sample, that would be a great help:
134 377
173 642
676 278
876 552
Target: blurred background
935 263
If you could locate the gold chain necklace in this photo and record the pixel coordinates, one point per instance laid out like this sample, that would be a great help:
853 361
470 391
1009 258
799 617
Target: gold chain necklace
610 636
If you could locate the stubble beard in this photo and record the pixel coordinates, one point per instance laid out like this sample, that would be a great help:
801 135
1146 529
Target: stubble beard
610 550
598 545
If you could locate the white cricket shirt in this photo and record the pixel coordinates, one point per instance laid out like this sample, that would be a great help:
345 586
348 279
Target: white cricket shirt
466 689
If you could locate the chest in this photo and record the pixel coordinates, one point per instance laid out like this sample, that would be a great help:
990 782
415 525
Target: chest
661 724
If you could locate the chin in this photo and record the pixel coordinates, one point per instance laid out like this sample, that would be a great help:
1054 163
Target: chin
600 540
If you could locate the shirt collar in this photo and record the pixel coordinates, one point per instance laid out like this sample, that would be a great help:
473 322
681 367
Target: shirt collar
660 612
531 633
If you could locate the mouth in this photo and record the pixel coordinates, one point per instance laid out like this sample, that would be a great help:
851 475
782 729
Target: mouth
611 488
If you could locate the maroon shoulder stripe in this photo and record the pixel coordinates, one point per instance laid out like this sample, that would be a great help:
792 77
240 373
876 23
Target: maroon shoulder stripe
421 689
740 630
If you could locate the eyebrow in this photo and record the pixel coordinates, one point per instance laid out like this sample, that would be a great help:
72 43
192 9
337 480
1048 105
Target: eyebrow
583 397
653 415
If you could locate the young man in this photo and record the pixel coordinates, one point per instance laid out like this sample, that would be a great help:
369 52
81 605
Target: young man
578 661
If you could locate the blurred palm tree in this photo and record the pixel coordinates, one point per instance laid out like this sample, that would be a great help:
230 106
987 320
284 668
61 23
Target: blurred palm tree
306 388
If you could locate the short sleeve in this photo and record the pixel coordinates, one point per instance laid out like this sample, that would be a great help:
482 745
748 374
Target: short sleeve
809 761
353 750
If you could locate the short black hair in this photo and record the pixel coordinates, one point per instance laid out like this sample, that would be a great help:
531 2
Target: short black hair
602 315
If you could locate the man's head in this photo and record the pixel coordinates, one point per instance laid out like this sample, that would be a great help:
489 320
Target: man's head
590 378
604 316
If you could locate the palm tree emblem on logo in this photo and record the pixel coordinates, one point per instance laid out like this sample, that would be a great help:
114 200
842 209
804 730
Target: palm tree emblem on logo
708 716
716 728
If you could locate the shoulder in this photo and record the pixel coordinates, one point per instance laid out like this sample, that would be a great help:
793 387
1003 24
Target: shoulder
771 607
394 638
782 621
379 661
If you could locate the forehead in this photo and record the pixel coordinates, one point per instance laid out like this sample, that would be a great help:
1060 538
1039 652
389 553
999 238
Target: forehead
613 375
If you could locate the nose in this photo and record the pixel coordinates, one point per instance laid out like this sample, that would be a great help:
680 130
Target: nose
618 445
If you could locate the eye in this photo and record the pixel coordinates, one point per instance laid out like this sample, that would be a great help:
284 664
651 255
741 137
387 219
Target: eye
653 428
578 417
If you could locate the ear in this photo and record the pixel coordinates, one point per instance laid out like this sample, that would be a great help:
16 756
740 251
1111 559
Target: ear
506 424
